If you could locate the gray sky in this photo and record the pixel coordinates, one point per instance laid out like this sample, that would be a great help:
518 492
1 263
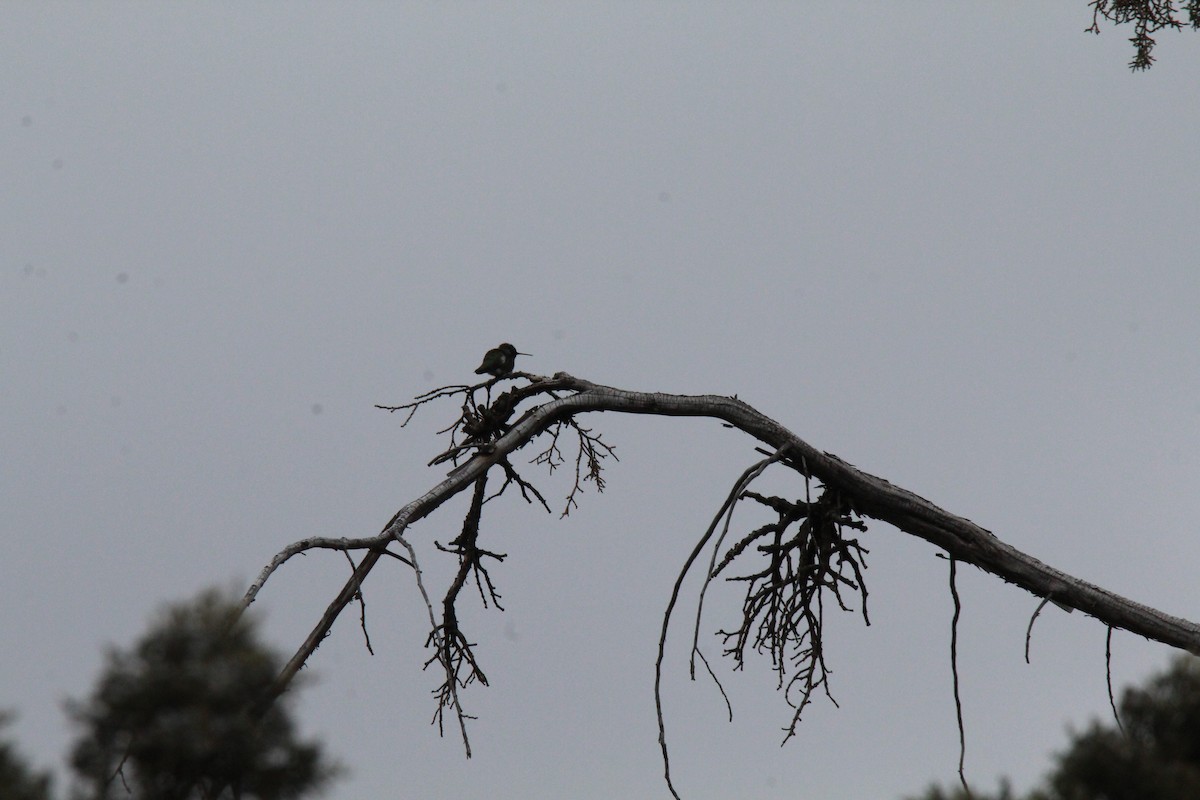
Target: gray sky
953 243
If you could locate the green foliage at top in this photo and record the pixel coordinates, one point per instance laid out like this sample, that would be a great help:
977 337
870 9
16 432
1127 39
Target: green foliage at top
174 718
1146 17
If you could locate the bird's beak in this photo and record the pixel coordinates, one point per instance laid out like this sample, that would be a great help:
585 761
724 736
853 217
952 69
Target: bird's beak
523 354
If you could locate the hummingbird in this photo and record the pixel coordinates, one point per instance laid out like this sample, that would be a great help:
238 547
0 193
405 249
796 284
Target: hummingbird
499 360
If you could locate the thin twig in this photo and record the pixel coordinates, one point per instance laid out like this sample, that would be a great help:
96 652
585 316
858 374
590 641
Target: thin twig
725 511
962 736
362 604
1108 679
662 639
1029 630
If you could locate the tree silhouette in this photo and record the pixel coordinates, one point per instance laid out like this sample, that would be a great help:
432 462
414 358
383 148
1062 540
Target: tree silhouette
793 568
1151 753
178 716
18 781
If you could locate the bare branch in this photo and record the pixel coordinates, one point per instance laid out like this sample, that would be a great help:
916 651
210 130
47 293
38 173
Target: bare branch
428 397
510 477
747 476
1108 678
362 608
592 450
805 551
452 651
783 610
1032 619
962 734
296 548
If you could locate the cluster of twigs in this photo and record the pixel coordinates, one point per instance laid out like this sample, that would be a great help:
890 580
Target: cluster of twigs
590 454
804 557
479 424
476 424
1147 16
790 567
451 649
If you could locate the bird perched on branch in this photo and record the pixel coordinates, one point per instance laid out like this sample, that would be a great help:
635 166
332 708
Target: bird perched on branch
499 360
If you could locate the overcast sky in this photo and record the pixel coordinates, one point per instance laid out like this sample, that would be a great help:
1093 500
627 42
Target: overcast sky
953 243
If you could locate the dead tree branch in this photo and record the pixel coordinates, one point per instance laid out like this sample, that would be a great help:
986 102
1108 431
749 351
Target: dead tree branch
777 617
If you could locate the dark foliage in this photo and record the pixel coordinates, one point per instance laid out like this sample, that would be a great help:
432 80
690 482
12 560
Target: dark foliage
1153 755
17 780
177 717
1004 792
1147 17
1156 758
